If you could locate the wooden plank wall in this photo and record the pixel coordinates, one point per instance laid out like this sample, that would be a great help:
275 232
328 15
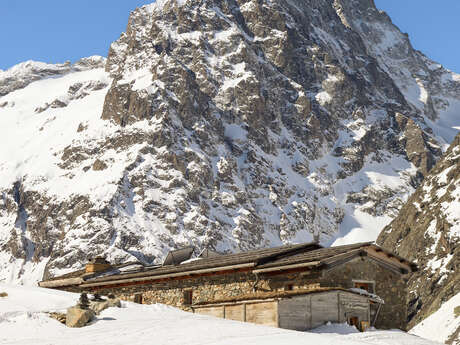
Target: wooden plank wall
305 312
324 308
235 312
294 313
353 305
262 313
298 313
212 311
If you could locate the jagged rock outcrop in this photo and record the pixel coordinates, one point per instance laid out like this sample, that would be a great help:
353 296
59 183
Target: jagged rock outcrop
427 231
228 124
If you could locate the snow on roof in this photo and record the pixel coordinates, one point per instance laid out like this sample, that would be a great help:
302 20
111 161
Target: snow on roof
369 294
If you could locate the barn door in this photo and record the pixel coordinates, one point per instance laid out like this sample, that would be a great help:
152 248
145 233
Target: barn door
353 321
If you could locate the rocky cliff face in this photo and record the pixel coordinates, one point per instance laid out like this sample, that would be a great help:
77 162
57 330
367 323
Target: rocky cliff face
225 124
427 231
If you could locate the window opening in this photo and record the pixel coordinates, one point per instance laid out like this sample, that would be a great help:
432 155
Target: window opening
368 286
138 298
188 296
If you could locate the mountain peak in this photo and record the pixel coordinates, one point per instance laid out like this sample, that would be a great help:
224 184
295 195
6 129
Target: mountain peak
228 125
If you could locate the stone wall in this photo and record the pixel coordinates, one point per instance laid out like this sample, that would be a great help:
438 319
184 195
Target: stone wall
204 289
388 285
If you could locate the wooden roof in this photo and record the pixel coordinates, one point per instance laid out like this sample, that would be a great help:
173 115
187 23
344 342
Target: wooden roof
334 254
261 260
259 255
314 255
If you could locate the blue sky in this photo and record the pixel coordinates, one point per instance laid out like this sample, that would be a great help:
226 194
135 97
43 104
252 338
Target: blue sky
57 30
433 27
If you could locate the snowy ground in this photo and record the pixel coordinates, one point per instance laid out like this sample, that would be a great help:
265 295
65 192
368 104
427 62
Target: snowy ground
22 322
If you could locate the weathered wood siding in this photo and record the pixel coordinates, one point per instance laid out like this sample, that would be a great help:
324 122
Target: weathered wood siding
235 312
352 305
262 313
265 313
211 311
305 312
324 308
294 313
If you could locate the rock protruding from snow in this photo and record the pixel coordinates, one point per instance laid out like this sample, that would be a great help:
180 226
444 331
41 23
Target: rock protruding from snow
77 317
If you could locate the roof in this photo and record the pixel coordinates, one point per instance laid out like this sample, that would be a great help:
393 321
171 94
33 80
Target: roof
258 261
328 255
315 255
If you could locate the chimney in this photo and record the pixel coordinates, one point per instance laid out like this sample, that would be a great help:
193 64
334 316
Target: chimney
97 264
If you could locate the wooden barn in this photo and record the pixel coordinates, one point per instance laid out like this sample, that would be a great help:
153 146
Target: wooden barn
295 286
298 310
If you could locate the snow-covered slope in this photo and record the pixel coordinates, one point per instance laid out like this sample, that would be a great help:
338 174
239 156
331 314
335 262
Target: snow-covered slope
21 75
443 325
23 322
37 123
222 124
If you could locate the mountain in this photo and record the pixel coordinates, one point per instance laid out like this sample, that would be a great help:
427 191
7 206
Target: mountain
427 231
225 124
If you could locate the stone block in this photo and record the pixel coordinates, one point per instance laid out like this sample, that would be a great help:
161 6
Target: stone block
77 317
99 306
114 302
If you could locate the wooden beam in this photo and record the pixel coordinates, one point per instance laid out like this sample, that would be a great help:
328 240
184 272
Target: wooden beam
340 259
388 257
393 264
345 256
388 265
60 282
287 267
